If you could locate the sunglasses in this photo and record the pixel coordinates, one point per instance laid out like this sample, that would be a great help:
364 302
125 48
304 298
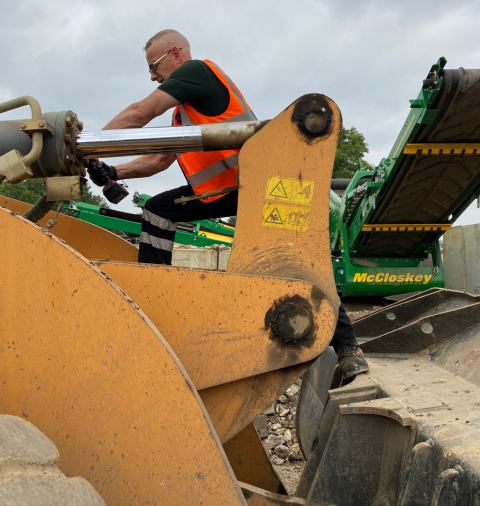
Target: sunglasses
152 68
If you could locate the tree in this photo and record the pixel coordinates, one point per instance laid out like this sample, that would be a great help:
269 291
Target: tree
350 152
31 190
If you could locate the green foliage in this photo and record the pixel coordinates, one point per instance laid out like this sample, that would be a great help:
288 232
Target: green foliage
31 190
89 198
26 191
350 152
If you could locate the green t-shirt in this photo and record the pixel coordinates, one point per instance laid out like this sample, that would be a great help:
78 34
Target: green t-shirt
194 83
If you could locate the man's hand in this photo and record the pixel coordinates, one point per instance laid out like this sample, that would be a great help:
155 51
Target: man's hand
100 173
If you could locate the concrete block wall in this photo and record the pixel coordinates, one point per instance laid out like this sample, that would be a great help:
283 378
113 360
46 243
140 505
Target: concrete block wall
208 258
461 249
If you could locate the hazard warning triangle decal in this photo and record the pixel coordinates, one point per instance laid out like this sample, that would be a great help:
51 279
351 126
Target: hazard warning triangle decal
278 191
274 217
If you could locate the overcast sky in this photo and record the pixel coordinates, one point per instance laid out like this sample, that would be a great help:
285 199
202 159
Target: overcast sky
369 56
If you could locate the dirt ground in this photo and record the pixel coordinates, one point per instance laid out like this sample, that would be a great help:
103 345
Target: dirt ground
280 439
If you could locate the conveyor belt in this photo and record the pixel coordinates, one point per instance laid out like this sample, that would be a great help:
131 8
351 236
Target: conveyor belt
431 189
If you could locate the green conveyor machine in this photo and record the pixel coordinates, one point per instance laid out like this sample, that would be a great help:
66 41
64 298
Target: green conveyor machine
385 230
390 220
199 233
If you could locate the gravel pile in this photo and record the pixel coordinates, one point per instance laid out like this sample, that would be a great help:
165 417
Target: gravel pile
281 441
279 438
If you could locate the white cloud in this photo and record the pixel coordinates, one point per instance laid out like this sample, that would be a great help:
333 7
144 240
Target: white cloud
5 94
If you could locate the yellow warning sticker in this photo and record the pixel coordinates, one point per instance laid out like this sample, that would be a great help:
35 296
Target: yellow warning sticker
286 216
295 191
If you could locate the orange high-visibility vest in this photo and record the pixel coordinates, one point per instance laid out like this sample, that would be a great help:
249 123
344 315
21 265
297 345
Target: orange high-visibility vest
212 170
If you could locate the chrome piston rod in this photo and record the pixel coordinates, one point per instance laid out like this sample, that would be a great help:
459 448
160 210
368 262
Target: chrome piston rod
141 141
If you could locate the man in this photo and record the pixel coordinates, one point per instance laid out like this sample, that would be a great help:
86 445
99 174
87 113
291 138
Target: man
201 93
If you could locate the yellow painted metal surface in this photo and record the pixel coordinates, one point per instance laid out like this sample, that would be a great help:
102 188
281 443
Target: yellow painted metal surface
215 321
406 227
91 241
442 149
83 363
280 153
233 406
249 460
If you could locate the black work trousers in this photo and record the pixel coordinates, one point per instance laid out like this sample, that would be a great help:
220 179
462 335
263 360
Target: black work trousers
158 236
161 213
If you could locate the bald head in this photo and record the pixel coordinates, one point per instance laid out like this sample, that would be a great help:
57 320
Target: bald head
170 38
165 52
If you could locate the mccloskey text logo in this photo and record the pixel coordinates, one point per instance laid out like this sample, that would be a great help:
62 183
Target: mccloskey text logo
386 277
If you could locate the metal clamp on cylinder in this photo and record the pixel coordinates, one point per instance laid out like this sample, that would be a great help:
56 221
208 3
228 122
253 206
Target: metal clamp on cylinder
63 188
13 168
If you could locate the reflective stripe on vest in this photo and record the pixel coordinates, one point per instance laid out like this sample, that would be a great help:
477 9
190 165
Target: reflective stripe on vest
213 170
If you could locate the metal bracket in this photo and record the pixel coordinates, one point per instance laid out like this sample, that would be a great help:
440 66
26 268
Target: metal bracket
13 168
63 188
37 136
31 126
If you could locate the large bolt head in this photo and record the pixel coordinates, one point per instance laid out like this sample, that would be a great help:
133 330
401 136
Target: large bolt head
291 320
313 116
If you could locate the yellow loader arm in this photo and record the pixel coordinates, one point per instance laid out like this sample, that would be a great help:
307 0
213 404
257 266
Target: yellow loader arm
139 373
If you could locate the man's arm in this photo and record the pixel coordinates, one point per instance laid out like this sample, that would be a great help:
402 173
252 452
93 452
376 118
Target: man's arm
140 113
144 166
